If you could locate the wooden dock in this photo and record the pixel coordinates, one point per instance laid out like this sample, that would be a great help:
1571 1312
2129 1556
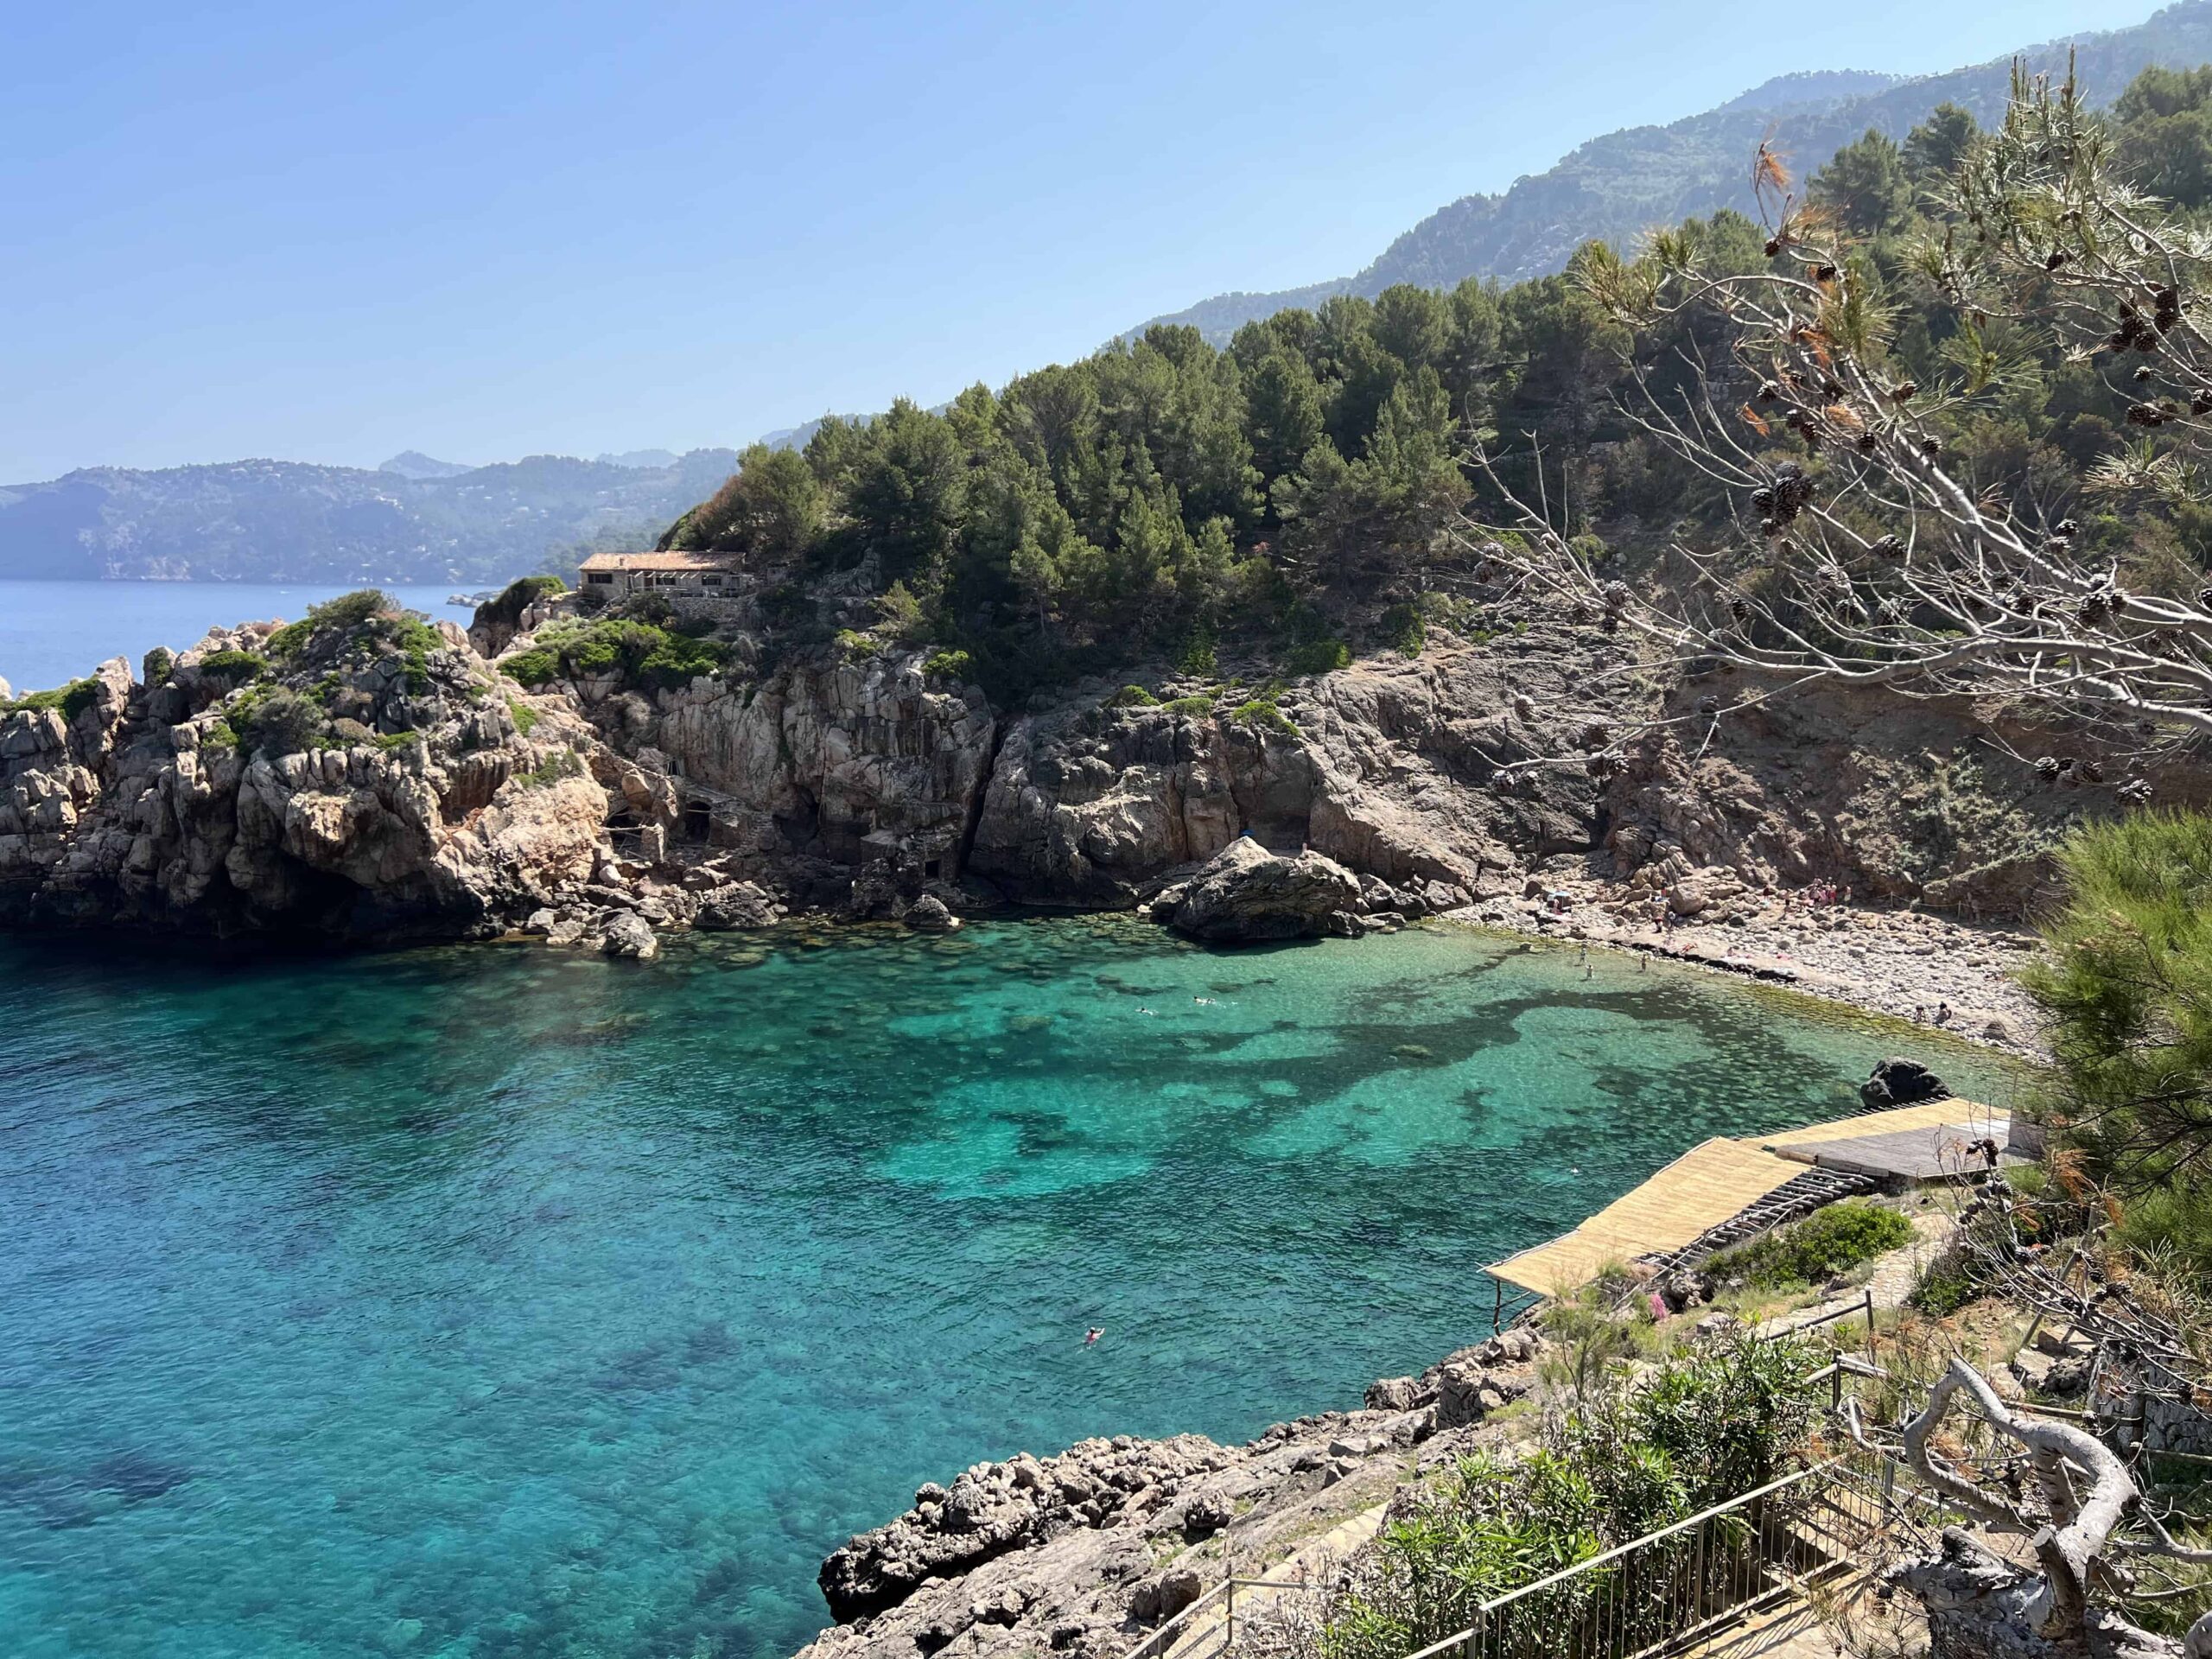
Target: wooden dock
1716 1181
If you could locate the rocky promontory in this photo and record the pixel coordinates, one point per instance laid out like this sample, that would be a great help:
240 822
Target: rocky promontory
1082 1552
366 779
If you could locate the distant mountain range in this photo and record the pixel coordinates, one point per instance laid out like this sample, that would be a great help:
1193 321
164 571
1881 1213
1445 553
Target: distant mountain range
413 520
1620 186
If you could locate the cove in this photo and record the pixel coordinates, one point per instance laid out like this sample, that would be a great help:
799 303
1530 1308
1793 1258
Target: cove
490 1301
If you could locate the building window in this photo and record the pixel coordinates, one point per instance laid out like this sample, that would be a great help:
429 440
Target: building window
599 578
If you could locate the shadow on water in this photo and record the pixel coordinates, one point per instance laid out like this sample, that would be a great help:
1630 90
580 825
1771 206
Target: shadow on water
529 1303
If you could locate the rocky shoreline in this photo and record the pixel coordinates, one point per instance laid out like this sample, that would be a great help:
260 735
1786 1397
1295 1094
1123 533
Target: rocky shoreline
1082 1552
1898 962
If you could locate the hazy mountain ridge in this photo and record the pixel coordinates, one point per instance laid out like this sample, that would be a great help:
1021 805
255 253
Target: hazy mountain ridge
296 521
1619 186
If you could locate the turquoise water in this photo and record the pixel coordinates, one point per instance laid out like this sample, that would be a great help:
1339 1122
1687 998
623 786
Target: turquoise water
53 631
491 1301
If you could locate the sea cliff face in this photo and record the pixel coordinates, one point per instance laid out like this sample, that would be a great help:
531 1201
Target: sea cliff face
431 796
422 812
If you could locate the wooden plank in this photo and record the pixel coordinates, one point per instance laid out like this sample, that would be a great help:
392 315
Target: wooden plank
1928 1115
1700 1190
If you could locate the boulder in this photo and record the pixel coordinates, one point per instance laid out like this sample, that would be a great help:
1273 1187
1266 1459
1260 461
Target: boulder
927 914
629 935
1900 1083
1245 894
733 905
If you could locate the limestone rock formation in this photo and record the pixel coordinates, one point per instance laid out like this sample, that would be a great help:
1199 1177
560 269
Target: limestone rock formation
377 794
1245 894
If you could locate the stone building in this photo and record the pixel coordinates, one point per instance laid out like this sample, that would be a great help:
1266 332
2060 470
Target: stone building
679 576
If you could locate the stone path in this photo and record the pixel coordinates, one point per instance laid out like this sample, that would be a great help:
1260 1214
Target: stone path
1894 1278
1312 1561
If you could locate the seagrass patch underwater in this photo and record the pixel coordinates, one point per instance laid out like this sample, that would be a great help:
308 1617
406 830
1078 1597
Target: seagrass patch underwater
489 1301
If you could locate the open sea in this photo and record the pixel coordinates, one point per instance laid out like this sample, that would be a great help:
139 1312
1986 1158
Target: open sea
496 1302
52 632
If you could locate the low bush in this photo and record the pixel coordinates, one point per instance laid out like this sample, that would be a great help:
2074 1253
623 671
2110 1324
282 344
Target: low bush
1192 707
518 596
1702 1427
232 668
525 717
279 723
1133 697
533 668
158 665
71 700
638 652
1262 714
1830 1241
950 665
562 763
1403 630
1317 656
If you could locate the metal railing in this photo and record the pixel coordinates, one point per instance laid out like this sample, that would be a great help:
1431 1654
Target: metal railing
1172 1632
1662 1589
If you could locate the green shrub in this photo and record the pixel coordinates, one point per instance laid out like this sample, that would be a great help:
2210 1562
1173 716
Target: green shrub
950 665
525 717
393 742
562 763
517 597
1262 713
1702 1428
158 665
1317 656
533 668
279 723
1133 697
1192 707
341 618
854 645
232 669
1403 630
71 700
1830 1241
1198 655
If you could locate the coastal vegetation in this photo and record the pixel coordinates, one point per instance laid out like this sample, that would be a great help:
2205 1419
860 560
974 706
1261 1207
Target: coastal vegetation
1296 491
1830 1241
1627 1458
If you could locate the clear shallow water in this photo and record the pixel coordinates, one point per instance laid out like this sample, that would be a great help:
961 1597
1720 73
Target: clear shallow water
496 1302
50 632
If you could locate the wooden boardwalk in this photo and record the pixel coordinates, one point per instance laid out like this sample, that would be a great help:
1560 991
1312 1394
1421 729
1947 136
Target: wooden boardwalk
1717 1181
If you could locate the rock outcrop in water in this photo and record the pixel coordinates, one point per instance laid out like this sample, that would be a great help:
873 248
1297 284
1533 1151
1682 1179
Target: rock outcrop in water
1084 1552
368 783
1245 894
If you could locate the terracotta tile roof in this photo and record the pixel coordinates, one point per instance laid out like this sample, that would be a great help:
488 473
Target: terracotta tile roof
659 562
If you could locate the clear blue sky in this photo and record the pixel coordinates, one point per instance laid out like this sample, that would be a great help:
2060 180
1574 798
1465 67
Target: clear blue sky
491 228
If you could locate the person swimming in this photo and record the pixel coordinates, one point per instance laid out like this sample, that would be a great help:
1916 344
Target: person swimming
1205 1001
1093 1334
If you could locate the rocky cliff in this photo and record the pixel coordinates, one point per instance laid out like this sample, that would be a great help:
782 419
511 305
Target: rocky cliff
360 785
382 781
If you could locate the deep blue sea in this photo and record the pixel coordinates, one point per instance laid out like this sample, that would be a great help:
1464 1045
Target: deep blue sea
496 1302
50 632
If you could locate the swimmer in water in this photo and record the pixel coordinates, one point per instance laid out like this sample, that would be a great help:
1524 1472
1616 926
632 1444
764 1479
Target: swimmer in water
1093 1334
1147 1012
1204 1001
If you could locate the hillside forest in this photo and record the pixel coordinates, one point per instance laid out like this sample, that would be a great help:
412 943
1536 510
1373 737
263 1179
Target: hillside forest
1294 491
